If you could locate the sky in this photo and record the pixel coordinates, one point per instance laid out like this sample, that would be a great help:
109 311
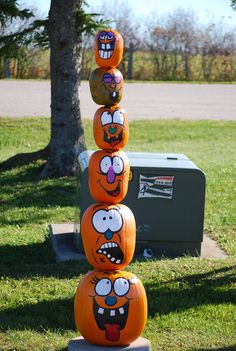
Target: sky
204 9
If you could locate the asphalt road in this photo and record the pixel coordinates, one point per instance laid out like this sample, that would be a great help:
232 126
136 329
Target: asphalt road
140 100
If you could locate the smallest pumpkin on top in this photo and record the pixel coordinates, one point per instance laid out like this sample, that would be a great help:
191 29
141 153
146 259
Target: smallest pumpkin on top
108 47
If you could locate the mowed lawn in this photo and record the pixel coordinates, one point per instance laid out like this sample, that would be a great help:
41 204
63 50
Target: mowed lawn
191 300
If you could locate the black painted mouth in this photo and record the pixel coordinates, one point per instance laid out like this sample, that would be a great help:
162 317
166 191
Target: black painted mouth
112 251
112 320
106 49
114 192
113 140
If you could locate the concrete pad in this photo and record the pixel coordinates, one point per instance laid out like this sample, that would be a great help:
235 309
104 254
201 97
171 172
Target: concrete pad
64 244
210 249
79 344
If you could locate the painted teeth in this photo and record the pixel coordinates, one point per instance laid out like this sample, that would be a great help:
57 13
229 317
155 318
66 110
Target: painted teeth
121 310
114 94
101 310
106 245
103 46
105 54
112 313
104 249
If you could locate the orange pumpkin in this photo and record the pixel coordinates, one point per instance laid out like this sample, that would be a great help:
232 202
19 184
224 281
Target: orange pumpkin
108 233
110 307
108 47
110 128
108 176
106 86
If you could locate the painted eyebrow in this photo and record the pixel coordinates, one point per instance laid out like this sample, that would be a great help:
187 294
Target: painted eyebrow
96 206
105 273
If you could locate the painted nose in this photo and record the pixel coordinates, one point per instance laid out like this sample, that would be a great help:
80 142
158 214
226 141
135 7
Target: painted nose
113 85
112 130
110 300
108 234
111 175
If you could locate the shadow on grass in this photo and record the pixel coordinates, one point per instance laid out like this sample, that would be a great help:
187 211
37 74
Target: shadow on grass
172 296
26 261
191 291
55 314
19 190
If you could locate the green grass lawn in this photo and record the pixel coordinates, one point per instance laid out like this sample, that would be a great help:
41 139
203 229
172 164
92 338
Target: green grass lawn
191 300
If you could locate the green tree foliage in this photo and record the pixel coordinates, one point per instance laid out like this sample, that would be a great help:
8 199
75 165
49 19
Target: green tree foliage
35 32
9 9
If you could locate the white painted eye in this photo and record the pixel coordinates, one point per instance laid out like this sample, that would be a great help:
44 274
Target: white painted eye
103 220
118 117
121 286
105 164
118 165
103 287
115 220
106 118
100 221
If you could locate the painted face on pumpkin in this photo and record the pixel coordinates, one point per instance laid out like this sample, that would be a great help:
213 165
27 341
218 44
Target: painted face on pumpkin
108 233
106 86
106 44
108 176
113 300
108 48
113 84
110 128
111 305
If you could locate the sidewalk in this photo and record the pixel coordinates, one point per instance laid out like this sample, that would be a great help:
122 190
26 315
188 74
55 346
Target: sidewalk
20 98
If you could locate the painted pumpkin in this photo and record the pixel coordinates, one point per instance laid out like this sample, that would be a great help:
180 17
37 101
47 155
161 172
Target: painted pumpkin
110 307
110 128
108 233
106 86
108 47
108 176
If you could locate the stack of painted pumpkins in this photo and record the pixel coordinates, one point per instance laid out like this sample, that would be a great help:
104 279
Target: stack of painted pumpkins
110 304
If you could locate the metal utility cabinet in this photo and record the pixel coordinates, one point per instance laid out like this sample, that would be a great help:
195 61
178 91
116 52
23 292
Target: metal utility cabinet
167 196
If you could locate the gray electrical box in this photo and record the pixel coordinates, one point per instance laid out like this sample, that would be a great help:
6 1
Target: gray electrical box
167 196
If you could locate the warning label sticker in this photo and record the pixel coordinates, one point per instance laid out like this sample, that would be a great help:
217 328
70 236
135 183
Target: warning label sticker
156 186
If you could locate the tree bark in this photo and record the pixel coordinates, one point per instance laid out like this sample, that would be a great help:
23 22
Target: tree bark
67 135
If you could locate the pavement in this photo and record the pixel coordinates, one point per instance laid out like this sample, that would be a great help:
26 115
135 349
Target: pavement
20 98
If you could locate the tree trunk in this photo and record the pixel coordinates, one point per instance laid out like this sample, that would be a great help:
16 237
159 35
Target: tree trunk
67 135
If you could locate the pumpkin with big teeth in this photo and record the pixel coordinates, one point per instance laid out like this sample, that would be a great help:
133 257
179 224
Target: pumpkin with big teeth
110 307
108 46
